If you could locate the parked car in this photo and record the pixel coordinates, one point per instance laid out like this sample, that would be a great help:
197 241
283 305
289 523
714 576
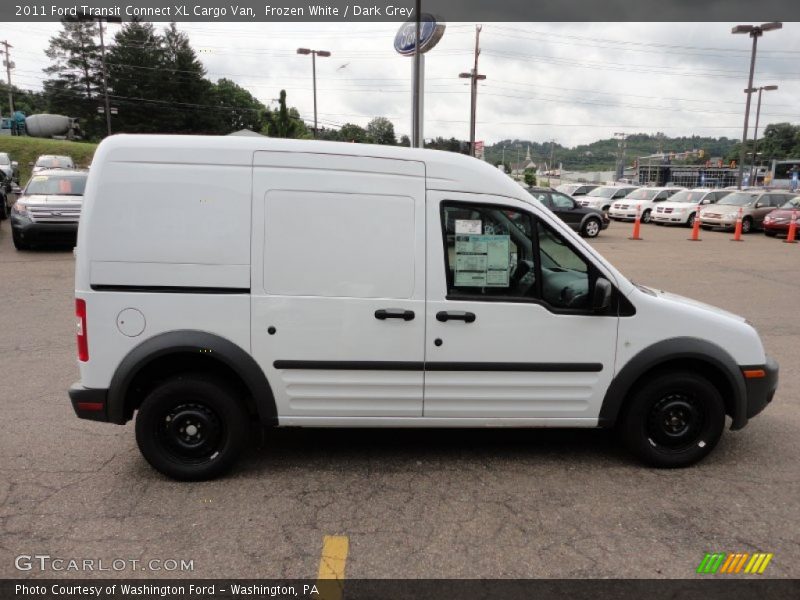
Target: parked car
681 208
778 220
587 221
754 205
5 204
576 189
48 209
9 168
465 303
52 161
643 201
602 197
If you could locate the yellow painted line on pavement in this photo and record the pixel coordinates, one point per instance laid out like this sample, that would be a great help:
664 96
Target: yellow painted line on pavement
330 577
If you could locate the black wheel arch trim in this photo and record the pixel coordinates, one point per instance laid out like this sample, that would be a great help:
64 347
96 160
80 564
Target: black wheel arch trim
231 355
682 348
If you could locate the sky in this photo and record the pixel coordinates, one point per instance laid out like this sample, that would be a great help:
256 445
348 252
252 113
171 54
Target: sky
569 82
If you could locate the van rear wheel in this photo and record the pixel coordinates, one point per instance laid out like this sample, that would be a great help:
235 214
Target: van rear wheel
674 420
192 428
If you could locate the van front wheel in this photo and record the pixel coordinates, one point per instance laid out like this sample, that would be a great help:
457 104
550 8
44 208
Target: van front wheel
674 420
191 428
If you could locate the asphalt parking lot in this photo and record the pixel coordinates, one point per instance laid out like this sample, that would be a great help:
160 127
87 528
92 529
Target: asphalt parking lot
413 504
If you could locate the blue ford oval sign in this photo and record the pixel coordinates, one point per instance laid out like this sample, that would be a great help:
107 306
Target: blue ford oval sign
430 32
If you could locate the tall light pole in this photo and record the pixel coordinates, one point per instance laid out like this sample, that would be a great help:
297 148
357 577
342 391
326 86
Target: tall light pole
314 54
763 88
755 32
9 65
474 76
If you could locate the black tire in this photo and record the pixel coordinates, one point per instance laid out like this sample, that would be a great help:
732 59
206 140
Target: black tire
19 243
690 220
673 420
3 209
591 228
747 225
192 428
646 216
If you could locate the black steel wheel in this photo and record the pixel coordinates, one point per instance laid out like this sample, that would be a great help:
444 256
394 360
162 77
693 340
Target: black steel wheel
192 427
674 420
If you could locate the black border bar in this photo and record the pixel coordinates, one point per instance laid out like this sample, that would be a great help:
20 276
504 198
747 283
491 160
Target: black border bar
377 11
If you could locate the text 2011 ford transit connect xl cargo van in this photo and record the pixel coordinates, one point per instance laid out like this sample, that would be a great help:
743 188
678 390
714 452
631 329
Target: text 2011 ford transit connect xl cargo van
320 284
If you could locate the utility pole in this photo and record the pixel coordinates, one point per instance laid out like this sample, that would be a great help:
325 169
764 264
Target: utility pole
314 54
106 102
621 154
755 32
768 88
475 77
9 65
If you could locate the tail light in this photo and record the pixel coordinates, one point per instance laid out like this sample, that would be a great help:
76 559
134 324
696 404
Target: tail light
80 322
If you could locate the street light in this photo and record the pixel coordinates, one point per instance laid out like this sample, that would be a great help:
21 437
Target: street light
755 32
314 54
763 88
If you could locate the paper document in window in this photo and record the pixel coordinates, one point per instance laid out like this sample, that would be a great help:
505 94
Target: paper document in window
482 260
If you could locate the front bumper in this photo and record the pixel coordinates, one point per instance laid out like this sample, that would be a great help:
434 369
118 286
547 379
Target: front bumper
622 214
669 217
33 232
717 222
773 227
89 403
760 390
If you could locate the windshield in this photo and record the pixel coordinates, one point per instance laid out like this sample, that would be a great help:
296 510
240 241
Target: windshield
739 199
56 185
643 194
688 197
567 189
55 162
603 192
793 203
4 159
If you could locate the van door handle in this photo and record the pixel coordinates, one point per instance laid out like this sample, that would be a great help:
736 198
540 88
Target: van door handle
455 315
394 313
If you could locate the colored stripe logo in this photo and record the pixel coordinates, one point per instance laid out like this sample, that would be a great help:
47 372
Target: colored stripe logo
734 563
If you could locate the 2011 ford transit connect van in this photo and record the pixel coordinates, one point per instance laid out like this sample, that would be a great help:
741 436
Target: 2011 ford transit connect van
297 283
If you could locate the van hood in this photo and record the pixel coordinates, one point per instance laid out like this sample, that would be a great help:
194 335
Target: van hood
34 199
725 209
697 304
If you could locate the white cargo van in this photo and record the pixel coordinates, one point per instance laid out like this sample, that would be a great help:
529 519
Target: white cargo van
316 284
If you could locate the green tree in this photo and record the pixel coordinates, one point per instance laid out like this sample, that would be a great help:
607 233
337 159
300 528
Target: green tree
529 176
381 131
351 132
405 141
182 86
74 82
137 75
236 108
285 122
778 141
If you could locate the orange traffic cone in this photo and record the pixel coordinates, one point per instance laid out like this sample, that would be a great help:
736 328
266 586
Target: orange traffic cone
737 233
696 226
636 225
792 230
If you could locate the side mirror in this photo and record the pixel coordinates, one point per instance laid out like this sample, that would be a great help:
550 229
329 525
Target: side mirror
759 204
601 298
14 164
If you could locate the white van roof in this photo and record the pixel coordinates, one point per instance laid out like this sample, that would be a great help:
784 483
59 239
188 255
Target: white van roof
443 170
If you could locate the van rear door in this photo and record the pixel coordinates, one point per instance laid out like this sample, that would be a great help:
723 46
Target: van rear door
338 285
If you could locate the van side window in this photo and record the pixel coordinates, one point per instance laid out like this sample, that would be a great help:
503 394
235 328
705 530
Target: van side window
489 251
498 253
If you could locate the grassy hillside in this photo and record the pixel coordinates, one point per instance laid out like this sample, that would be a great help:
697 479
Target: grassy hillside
27 149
